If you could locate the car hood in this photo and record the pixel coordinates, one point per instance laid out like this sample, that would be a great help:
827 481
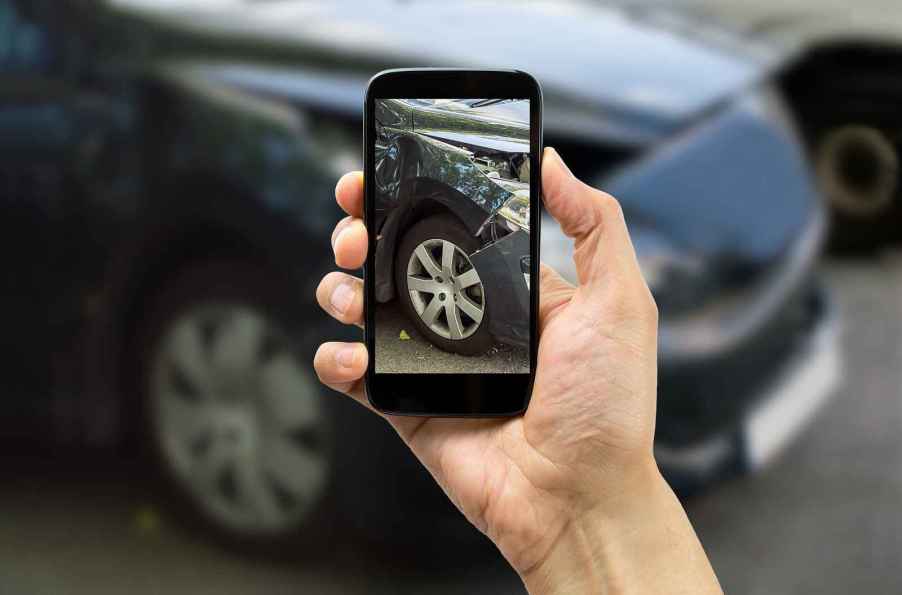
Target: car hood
605 71
474 127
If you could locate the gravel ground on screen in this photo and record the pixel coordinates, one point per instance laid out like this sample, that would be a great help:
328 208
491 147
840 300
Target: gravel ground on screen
417 355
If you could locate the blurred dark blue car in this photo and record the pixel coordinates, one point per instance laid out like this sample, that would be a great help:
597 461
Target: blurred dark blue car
166 179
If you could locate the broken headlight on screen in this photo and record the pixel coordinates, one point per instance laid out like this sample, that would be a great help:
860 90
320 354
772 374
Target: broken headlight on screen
514 214
511 172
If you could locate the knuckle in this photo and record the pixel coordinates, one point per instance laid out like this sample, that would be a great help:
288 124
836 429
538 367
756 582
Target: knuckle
609 206
546 273
621 304
645 310
651 308
630 300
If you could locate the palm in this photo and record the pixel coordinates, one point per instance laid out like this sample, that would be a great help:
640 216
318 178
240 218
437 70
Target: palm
494 469
480 464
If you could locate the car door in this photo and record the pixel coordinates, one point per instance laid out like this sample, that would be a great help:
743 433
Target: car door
36 131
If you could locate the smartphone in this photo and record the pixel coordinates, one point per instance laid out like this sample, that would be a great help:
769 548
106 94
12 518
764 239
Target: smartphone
452 197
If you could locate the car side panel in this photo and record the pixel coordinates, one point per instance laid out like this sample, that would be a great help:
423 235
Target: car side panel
406 156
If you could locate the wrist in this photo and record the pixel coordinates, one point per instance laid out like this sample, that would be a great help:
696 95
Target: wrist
636 541
582 559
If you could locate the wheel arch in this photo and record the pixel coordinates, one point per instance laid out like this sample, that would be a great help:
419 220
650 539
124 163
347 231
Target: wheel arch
858 73
204 217
828 61
422 198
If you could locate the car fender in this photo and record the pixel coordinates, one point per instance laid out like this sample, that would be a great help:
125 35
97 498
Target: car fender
414 157
420 198
437 176
258 145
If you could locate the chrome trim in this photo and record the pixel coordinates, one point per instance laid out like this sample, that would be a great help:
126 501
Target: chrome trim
795 395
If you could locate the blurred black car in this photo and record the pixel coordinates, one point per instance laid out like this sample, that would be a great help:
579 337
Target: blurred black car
452 218
166 180
839 71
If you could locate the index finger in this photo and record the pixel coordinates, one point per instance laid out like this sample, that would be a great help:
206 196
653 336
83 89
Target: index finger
349 193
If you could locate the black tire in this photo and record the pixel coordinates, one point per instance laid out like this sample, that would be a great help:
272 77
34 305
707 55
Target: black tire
204 285
863 108
449 228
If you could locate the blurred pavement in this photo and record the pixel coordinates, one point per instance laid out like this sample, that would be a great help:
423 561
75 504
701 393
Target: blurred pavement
827 517
823 519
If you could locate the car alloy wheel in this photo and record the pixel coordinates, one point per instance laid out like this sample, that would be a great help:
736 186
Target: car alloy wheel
234 414
445 289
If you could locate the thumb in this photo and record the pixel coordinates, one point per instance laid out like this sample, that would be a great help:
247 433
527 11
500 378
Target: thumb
592 218
555 292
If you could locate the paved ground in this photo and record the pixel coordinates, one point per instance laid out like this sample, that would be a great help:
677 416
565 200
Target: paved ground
826 518
419 355
72 528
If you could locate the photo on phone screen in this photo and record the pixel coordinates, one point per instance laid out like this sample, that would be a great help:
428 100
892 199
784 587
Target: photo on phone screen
454 175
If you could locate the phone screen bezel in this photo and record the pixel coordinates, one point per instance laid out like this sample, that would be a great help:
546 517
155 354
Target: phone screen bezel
450 394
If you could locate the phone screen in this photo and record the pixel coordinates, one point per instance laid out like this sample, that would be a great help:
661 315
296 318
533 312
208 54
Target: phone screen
450 186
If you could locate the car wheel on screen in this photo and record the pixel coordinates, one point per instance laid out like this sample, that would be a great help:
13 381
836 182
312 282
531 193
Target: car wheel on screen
855 147
233 414
440 289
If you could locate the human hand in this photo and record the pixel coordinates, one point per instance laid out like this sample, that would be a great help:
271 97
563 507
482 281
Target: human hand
569 490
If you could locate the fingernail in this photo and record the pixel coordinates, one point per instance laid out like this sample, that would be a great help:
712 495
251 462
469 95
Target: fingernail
338 229
560 162
345 356
341 298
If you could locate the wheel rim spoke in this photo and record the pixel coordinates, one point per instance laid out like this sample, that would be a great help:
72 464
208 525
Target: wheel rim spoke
238 342
427 261
211 464
282 385
471 309
190 356
253 491
293 468
467 279
186 422
432 310
424 285
448 257
455 325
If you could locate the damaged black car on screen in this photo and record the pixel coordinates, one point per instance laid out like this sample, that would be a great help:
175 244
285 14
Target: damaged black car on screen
452 202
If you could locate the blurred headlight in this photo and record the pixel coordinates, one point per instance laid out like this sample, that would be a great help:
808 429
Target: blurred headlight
679 280
515 211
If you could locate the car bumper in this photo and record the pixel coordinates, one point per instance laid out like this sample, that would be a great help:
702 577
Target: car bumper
784 406
500 265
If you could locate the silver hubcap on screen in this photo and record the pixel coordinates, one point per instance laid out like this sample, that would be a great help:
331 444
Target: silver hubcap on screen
238 419
445 289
